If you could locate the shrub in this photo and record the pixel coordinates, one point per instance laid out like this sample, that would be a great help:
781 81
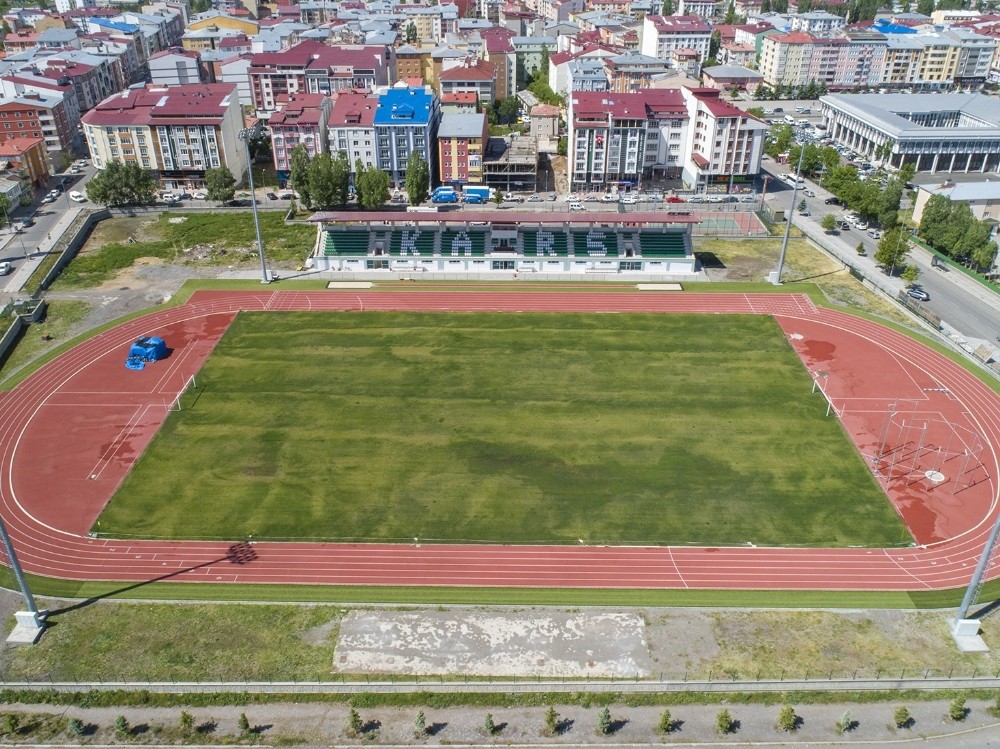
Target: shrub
122 728
420 725
9 724
723 723
489 726
902 718
787 719
846 723
76 727
957 709
994 709
604 721
186 722
243 724
551 721
666 724
354 724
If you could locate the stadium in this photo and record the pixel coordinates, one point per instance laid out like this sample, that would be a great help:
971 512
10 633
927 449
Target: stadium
643 243
92 421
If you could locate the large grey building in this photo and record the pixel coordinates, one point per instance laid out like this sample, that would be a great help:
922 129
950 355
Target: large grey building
935 132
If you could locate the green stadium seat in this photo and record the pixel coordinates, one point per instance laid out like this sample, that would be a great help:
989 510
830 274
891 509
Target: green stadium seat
662 244
463 242
346 242
595 243
405 242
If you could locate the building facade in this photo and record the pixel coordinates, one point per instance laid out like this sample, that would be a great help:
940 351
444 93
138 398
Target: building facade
462 139
406 120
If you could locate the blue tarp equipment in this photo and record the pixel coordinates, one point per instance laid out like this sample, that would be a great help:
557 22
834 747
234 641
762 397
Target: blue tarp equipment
146 349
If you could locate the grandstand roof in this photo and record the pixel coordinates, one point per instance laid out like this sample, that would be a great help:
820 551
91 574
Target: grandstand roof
495 216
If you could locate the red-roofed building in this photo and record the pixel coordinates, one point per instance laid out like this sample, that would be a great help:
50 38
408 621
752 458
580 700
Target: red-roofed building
312 67
500 52
177 132
175 66
28 153
470 76
662 36
303 120
19 41
627 140
351 127
39 113
463 102
235 45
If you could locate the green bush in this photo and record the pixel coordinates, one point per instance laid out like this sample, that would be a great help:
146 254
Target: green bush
724 723
354 724
122 727
787 719
957 709
604 721
76 727
666 724
420 725
9 724
902 718
551 721
489 726
846 723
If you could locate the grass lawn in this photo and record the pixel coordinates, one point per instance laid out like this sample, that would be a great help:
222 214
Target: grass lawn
529 428
231 235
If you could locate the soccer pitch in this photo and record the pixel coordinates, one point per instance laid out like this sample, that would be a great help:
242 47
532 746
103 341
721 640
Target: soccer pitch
504 428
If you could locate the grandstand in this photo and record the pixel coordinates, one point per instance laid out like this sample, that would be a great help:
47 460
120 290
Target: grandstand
644 244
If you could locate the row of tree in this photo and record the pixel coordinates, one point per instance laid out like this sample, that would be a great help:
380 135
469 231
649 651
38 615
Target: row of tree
951 229
324 182
811 90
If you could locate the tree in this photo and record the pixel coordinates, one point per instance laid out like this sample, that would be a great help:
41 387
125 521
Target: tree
985 255
845 723
322 190
730 14
543 70
411 32
757 112
420 725
372 185
340 170
120 184
828 222
418 178
937 212
668 8
910 274
860 249
243 724
787 719
76 727
9 724
220 184
551 721
957 709
901 717
892 249
888 204
122 727
497 197
714 42
802 206
489 726
665 724
354 724
508 109
925 7
604 721
5 208
186 723
298 172
723 723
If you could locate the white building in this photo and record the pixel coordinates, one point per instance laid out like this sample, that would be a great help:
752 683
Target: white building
661 36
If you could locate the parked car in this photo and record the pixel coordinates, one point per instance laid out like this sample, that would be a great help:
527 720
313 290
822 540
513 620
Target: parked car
272 195
75 169
590 199
809 193
674 199
748 199
50 198
552 197
609 198
629 200
832 201
536 198
5 268
918 294
77 197
201 196
576 207
696 199
572 198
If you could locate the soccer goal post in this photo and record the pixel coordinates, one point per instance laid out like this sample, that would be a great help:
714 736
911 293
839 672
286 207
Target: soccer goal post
177 403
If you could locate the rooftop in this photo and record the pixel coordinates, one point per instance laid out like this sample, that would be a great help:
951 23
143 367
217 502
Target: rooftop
946 116
198 103
462 125
404 106
353 110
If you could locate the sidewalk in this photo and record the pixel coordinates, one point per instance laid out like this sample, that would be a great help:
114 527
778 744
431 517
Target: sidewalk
13 283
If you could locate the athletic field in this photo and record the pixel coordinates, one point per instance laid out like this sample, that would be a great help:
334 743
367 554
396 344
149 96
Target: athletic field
507 428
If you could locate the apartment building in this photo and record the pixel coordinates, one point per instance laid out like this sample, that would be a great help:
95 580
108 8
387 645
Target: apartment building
28 153
662 36
312 67
702 8
351 127
500 52
856 58
633 72
470 76
44 114
727 144
303 120
175 66
432 22
406 120
178 132
819 23
462 141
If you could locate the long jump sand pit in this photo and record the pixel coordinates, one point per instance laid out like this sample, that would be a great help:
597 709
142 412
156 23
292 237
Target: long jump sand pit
550 644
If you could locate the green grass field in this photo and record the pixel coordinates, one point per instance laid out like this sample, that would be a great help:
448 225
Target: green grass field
527 428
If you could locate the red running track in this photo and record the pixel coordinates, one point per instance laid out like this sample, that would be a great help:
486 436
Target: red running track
73 429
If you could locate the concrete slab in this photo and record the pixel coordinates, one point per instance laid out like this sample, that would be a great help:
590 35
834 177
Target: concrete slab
349 285
659 287
546 644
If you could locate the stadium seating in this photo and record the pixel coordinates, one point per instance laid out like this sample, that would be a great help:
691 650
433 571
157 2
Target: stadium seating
544 243
346 242
595 243
412 242
462 242
657 244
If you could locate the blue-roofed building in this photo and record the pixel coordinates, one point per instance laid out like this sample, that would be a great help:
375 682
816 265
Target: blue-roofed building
406 120
883 26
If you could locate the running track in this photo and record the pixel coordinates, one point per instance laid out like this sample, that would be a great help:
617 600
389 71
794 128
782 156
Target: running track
71 431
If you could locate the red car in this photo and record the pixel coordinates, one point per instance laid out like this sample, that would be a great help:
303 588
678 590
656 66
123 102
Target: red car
674 199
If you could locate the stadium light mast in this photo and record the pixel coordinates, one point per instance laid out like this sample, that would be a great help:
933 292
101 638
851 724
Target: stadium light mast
29 623
776 276
963 626
246 135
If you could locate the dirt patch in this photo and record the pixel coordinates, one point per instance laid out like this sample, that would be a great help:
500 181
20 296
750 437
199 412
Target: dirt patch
502 643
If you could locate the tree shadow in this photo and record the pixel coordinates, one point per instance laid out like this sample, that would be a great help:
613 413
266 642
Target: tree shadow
370 726
140 730
499 728
676 726
564 726
207 728
240 553
435 728
617 725
258 730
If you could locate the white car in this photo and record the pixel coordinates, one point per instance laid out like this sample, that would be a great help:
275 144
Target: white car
609 198
629 200
49 198
5 268
572 199
77 197
200 196
576 207
809 193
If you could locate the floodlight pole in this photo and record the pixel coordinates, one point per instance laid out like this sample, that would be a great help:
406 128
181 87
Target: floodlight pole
977 576
788 222
245 135
18 572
